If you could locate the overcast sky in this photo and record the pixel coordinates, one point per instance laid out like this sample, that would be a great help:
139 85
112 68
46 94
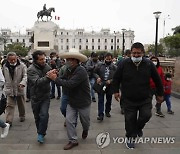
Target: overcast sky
136 15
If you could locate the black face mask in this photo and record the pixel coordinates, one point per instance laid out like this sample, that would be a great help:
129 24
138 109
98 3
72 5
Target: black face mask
94 60
107 62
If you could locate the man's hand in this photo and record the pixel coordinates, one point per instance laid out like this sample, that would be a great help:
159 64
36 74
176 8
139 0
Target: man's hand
159 99
117 96
52 74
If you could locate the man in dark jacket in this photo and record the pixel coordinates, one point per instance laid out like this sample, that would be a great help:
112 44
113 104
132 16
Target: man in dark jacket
78 87
134 74
104 73
39 92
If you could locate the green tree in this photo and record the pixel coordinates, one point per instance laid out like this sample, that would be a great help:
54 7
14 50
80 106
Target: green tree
160 49
18 48
176 30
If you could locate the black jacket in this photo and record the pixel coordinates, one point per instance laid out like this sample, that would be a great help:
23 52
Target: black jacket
78 87
135 80
38 82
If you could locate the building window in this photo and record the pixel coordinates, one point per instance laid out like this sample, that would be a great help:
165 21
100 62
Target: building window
79 40
61 40
111 47
4 33
67 40
61 33
67 47
93 47
99 40
61 47
117 40
43 44
23 40
11 40
111 40
93 40
105 40
105 47
67 33
17 40
86 47
117 46
86 40
99 47
79 47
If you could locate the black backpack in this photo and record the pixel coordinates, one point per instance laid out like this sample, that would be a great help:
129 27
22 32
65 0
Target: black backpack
3 103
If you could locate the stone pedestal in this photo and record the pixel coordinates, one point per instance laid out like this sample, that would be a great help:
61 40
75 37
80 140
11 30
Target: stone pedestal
45 36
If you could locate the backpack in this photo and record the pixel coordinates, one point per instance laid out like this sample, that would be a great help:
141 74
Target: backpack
3 103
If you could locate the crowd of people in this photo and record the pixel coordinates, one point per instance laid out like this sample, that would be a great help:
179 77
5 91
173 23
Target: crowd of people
133 79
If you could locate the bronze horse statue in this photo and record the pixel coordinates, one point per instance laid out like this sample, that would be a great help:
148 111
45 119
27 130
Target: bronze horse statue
45 13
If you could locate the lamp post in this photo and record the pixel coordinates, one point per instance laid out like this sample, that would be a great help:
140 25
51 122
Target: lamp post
114 43
164 24
157 14
123 41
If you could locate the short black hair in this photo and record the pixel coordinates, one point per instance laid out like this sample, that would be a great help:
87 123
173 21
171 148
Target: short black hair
108 54
168 75
138 45
36 54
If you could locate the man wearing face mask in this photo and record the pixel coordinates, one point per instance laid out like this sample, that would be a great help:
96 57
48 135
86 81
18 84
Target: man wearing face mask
90 66
104 73
134 75
15 74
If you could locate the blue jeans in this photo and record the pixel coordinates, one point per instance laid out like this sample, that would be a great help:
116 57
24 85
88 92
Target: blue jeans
92 81
168 102
64 102
53 84
2 124
101 103
41 115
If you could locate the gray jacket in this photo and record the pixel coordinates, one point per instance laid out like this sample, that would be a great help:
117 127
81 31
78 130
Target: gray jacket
11 87
38 83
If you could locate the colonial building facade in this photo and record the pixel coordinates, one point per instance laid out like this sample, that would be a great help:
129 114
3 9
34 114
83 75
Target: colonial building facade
64 39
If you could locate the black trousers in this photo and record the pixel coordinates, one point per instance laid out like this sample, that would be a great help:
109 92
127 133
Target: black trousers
137 114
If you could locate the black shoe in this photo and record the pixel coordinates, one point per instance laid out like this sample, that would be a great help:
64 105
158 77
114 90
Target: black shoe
108 115
22 119
51 97
170 112
100 118
160 114
140 133
58 98
70 145
122 111
130 145
93 99
84 134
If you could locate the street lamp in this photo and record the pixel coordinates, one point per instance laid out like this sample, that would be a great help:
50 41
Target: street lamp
123 41
164 24
157 14
114 43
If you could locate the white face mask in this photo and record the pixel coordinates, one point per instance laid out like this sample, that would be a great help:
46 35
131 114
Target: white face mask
168 79
30 61
155 63
54 58
136 60
13 64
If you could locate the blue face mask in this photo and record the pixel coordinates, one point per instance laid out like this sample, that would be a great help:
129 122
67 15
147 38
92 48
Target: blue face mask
136 60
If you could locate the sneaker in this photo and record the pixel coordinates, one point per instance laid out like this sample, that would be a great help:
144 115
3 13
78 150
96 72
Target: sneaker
160 114
27 100
5 130
40 138
130 145
170 112
108 115
93 99
10 123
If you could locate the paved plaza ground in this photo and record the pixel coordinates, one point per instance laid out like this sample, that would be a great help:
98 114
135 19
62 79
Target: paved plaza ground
22 136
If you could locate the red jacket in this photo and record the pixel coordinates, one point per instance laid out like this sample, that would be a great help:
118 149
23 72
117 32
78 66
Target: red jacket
161 74
167 87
